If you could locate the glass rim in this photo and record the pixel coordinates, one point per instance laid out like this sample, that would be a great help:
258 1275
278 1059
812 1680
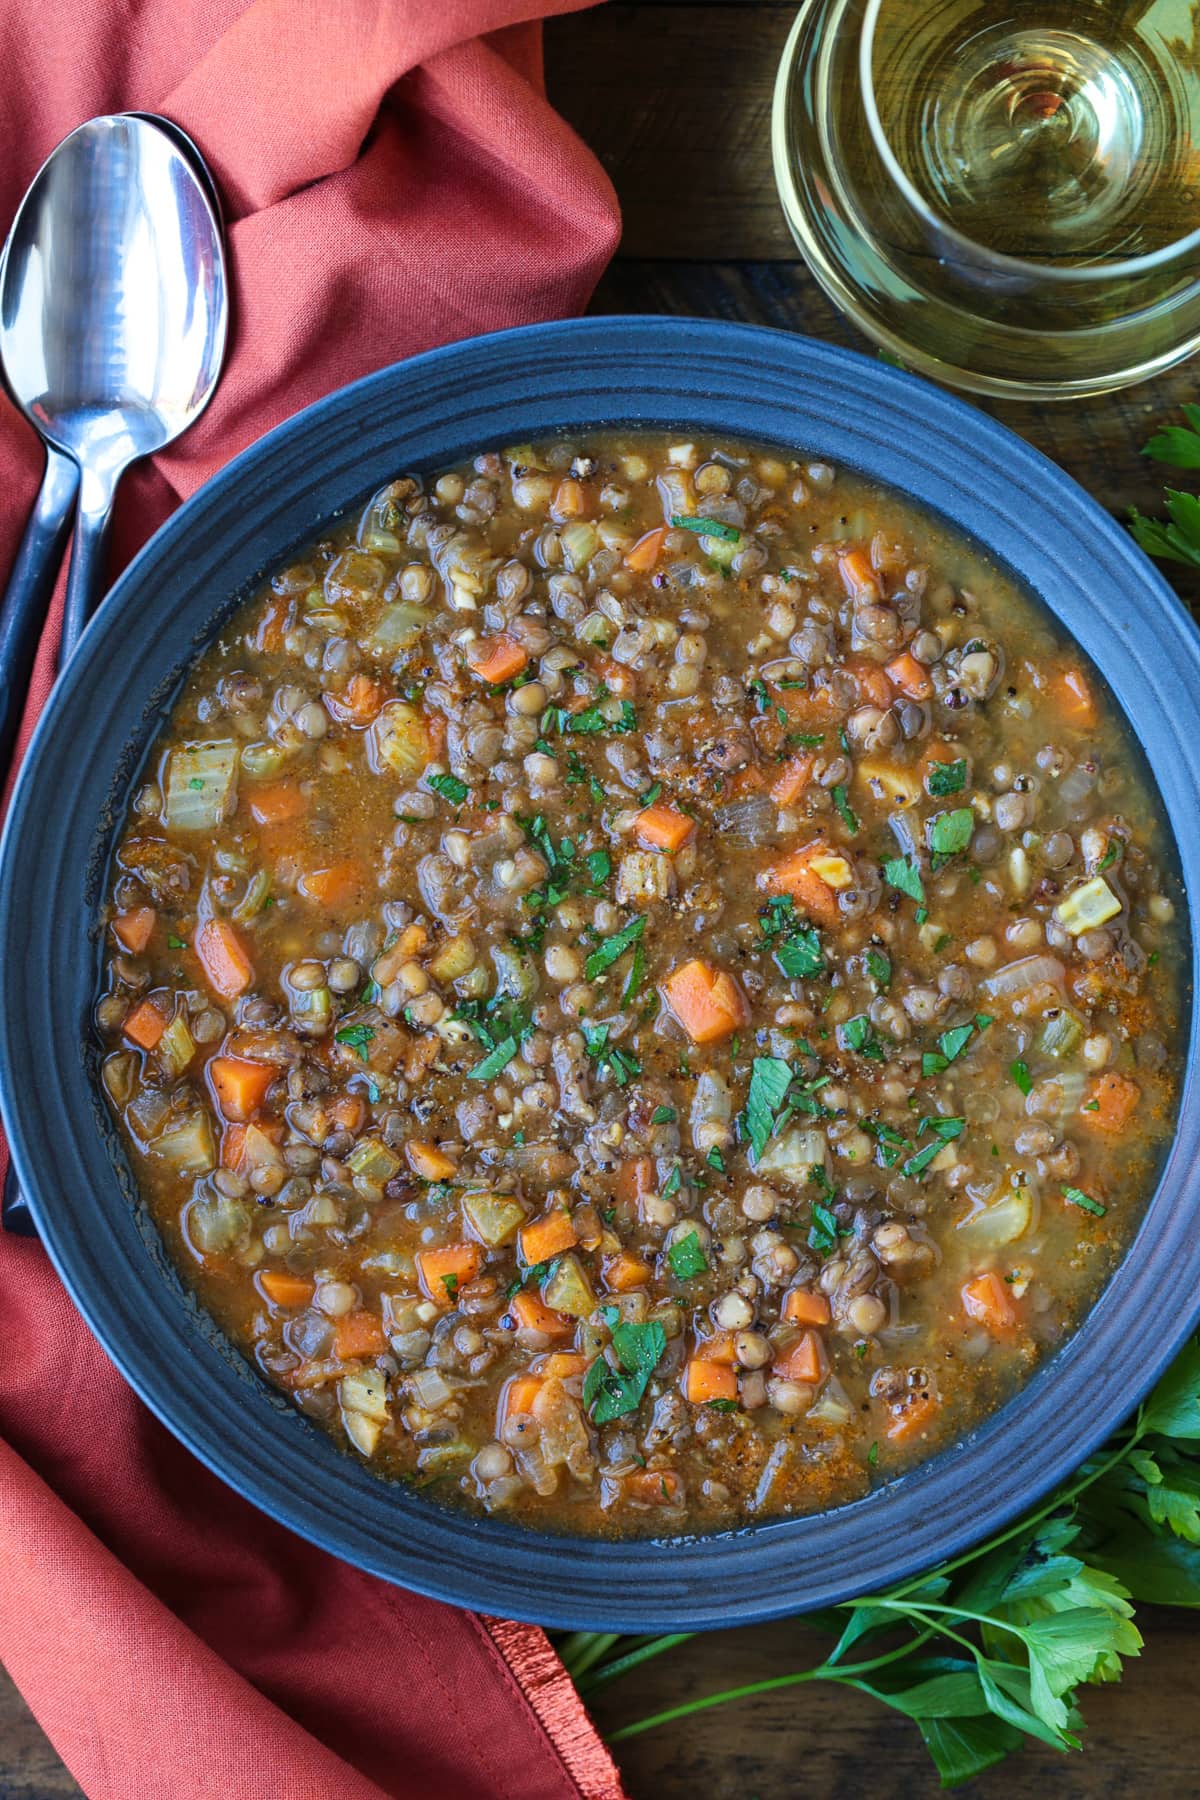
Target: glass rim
1045 272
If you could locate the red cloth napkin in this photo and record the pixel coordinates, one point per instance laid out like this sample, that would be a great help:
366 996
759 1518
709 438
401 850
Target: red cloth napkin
394 178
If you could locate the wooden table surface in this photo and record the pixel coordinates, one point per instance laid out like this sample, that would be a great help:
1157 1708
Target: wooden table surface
675 99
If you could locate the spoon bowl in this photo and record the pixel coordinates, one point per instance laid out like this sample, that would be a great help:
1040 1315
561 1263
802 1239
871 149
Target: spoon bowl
114 312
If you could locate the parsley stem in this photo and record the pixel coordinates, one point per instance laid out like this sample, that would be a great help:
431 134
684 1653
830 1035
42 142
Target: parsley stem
822 1672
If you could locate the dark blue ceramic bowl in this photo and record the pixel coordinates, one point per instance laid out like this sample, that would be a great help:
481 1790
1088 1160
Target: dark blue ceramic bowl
853 411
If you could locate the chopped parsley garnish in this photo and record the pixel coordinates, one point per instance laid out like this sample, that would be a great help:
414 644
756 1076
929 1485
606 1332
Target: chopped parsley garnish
879 968
848 815
770 1079
599 864
175 943
947 778
824 1232
1076 1197
651 794
197 781
591 720
637 971
715 1160
450 788
951 1044
620 1065
799 956
450 1283
950 832
945 1131
722 1406
663 1115
495 1060
807 740
356 1038
614 947
707 527
903 874
673 1182
891 1144
609 1393
872 1456
687 1258
1020 1074
1109 858
859 1034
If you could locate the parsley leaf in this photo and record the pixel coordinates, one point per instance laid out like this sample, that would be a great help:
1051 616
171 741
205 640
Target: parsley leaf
770 1079
1076 1197
800 957
1020 1074
950 832
609 1393
848 815
947 778
614 947
859 1034
879 968
450 788
495 1060
356 1038
903 874
707 527
687 1258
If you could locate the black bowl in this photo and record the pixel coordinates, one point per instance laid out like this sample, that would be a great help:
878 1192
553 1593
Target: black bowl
897 431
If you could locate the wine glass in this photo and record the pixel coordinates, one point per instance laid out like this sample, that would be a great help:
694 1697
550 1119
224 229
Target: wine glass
1003 196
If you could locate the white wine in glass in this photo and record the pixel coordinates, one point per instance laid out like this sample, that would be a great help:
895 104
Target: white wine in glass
1007 196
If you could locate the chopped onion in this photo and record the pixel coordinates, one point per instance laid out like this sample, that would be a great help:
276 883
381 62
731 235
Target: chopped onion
1019 977
1001 1223
201 785
750 821
794 1156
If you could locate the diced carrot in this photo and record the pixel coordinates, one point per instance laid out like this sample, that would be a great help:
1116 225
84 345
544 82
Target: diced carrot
914 1419
1073 693
802 1361
278 804
517 1396
795 876
546 1237
634 1179
335 886
617 678
662 828
362 701
233 1146
791 780
651 1487
239 1085
133 930
1111 1103
872 679
349 1111
569 499
704 1381
359 1334
561 1364
272 624
145 1025
719 1349
803 1308
624 1271
707 1002
427 1161
858 574
910 676
986 1299
282 1288
532 1314
443 1272
643 555
228 968
497 659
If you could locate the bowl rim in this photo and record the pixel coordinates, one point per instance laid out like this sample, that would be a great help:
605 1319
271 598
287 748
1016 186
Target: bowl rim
662 373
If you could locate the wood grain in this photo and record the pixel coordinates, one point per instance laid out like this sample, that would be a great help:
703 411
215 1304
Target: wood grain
675 99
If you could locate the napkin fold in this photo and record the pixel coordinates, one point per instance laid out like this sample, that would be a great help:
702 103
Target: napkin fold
393 178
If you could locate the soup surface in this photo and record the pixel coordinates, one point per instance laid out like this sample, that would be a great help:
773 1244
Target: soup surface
638 986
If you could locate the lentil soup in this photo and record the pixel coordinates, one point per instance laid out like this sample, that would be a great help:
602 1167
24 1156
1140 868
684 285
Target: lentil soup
637 990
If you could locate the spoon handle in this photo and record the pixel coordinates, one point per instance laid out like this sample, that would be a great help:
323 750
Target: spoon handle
29 588
89 556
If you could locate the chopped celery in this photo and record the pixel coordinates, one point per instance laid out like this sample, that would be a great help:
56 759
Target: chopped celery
580 543
568 1289
1061 1033
494 1218
312 1010
216 1223
188 1147
372 1162
176 1047
719 550
1091 905
453 959
201 785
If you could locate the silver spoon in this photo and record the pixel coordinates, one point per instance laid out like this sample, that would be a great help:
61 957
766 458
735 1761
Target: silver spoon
114 313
